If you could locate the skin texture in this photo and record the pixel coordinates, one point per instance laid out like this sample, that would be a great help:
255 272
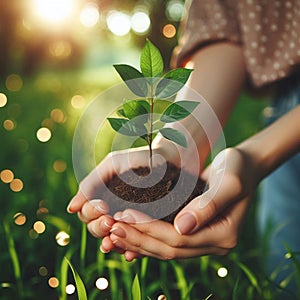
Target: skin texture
210 223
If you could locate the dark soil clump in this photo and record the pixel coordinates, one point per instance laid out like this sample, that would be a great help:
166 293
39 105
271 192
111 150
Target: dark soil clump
141 190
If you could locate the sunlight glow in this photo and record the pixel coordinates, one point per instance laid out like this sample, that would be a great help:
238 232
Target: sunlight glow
89 15
77 101
118 23
102 283
53 282
222 272
70 289
43 134
169 31
140 22
3 100
7 176
39 227
62 238
20 219
175 10
53 11
16 185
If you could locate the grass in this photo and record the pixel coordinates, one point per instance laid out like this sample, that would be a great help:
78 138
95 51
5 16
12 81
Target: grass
31 259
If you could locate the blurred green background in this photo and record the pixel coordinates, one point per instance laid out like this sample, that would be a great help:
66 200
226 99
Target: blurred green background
56 56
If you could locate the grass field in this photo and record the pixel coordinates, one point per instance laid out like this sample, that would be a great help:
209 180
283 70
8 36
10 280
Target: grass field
38 238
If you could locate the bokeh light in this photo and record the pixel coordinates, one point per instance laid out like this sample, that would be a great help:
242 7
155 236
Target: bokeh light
222 272
39 227
20 219
70 289
118 23
169 31
43 271
3 100
16 185
14 82
89 15
33 234
102 283
162 297
53 282
62 238
140 22
174 10
7 176
8 125
53 11
59 166
60 49
57 115
43 134
77 101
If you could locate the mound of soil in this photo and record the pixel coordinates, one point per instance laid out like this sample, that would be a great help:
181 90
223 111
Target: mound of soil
177 188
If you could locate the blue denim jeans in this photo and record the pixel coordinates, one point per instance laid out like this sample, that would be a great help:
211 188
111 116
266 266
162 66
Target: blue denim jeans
279 205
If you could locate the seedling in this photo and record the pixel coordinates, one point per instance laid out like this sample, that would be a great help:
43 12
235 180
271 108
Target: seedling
152 86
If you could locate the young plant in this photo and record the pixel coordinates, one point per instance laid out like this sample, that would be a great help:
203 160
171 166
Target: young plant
152 86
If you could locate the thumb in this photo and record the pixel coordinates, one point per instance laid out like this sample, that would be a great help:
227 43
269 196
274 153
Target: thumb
207 206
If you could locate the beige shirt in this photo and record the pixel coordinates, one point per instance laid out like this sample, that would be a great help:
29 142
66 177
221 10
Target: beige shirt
267 30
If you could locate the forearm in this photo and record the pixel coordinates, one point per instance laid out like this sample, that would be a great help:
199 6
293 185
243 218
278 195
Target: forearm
269 148
218 77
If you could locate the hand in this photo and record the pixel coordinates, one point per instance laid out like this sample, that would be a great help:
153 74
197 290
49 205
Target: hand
209 224
86 203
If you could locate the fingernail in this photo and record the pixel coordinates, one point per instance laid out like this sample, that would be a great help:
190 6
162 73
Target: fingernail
99 205
69 208
185 223
103 250
107 225
120 232
127 218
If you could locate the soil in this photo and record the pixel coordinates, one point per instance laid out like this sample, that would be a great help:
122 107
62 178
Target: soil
177 188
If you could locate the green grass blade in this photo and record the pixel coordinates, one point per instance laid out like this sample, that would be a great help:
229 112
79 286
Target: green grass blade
64 275
250 276
83 245
81 292
13 256
136 289
181 281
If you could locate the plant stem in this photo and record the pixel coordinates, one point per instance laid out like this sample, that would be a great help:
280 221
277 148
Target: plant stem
150 137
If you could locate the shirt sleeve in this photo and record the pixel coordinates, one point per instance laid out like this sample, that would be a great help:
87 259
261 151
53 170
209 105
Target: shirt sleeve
268 32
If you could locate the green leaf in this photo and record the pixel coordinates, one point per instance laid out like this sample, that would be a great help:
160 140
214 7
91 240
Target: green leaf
121 112
151 61
172 82
79 283
135 108
133 78
174 136
178 111
127 127
136 289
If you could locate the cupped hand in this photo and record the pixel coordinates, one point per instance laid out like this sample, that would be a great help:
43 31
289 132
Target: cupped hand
87 203
209 224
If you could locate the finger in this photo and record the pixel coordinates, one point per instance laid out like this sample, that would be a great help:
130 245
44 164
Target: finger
100 227
204 208
132 216
130 255
93 209
129 238
76 203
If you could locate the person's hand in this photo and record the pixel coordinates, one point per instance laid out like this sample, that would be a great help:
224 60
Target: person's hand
209 224
95 211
